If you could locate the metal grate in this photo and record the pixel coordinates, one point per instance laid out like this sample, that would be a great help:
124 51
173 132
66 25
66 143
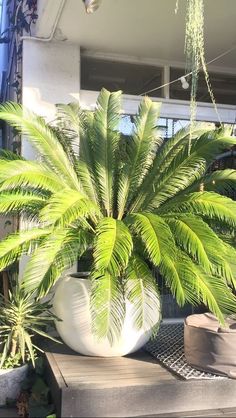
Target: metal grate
168 349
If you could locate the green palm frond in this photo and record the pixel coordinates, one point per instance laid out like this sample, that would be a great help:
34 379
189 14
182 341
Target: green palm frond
196 238
78 129
67 206
8 155
59 251
147 228
192 235
141 149
170 268
229 258
142 291
20 201
186 169
161 249
220 181
214 294
163 160
106 142
69 122
155 234
19 243
113 246
197 286
107 306
20 173
66 146
42 137
206 204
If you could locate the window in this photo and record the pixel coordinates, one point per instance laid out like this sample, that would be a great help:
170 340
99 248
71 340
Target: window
167 126
223 85
113 75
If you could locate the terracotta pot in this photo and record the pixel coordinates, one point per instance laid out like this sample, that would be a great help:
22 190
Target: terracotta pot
71 304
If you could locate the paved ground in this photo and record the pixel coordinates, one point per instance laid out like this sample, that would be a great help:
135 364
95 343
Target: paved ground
8 413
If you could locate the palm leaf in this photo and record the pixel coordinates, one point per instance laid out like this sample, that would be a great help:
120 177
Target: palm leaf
196 238
6 154
77 126
214 294
107 306
147 227
170 269
42 137
163 160
142 291
67 206
161 249
201 288
106 141
59 251
19 173
141 150
18 202
191 234
12 247
186 169
69 122
113 246
222 181
205 204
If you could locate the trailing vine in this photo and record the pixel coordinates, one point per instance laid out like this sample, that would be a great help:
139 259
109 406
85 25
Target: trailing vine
194 49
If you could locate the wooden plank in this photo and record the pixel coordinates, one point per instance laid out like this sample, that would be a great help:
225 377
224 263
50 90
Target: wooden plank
154 368
55 380
100 374
146 400
229 412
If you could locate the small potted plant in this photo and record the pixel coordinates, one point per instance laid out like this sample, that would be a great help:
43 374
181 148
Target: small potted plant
22 318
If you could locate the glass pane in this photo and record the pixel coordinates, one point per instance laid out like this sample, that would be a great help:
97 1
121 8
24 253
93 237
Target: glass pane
223 85
126 125
131 78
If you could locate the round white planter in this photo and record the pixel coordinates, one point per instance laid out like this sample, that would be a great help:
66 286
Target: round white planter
10 382
71 305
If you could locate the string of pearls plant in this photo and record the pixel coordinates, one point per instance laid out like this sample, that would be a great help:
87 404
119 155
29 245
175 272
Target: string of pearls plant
194 49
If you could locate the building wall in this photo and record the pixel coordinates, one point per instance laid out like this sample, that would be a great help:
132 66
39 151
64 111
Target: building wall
51 74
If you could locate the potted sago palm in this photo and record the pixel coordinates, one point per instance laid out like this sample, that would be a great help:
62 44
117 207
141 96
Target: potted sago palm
135 204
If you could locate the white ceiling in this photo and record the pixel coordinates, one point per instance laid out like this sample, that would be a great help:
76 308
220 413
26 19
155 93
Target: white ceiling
149 28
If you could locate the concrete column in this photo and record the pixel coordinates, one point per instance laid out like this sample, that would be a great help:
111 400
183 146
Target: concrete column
51 74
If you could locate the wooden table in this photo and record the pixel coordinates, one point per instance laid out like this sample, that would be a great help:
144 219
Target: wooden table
131 386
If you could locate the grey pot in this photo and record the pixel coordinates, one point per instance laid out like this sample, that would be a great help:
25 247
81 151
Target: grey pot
11 382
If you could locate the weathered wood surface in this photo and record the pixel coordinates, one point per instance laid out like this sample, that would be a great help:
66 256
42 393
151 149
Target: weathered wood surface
131 386
210 413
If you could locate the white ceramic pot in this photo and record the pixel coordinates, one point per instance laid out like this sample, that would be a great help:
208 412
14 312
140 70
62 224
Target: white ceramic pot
10 382
71 305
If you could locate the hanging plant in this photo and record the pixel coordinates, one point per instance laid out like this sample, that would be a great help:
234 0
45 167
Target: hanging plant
195 54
